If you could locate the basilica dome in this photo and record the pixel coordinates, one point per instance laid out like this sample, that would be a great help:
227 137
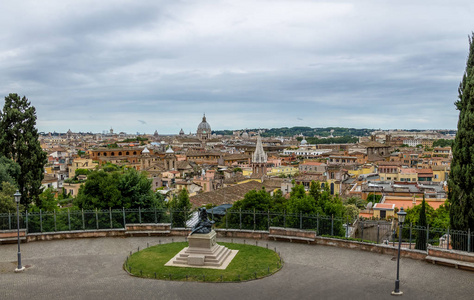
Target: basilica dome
204 126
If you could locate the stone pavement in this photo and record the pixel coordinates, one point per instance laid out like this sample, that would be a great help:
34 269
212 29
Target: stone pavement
92 269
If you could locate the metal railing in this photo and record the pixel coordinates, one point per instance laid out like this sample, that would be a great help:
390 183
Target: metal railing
379 232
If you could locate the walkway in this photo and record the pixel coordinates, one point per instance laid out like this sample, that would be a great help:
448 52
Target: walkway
92 269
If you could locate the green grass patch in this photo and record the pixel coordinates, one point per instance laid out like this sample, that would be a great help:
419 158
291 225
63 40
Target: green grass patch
251 262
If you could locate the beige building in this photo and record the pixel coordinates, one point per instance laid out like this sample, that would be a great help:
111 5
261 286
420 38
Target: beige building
81 163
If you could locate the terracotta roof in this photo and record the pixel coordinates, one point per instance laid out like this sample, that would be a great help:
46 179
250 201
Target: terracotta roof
227 195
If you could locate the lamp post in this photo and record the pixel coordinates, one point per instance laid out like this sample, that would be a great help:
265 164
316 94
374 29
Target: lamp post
17 195
401 218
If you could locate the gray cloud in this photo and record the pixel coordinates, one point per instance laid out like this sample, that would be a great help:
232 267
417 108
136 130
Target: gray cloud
89 65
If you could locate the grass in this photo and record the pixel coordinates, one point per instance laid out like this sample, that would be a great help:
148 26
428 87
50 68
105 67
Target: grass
251 262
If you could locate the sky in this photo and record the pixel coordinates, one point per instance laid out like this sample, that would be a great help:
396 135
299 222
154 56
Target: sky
141 66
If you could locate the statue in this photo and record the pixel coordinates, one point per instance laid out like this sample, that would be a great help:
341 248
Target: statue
204 225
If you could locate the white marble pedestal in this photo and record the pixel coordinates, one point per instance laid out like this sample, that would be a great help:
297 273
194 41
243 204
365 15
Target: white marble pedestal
203 252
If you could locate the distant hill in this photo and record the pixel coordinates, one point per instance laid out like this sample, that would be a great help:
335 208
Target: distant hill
306 131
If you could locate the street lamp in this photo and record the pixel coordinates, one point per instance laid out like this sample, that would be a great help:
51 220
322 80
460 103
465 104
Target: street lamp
17 200
401 218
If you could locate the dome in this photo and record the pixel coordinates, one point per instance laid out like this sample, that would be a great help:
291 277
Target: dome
169 150
304 142
204 125
245 135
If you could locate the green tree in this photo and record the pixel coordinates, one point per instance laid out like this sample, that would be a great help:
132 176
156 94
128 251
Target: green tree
19 142
422 222
9 171
278 202
461 179
48 201
7 201
100 191
181 208
135 189
351 212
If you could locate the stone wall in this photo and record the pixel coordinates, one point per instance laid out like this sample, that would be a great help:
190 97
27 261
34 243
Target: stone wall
165 230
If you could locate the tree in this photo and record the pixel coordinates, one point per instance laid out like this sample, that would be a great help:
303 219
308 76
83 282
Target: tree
461 177
181 207
19 142
422 222
7 202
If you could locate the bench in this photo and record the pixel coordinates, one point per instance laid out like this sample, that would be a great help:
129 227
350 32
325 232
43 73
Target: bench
11 236
458 264
292 234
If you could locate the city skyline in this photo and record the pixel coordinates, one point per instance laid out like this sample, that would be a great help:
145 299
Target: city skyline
137 67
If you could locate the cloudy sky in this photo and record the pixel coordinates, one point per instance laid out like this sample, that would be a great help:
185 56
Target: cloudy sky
146 65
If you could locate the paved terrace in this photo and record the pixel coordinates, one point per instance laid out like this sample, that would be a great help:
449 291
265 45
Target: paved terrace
92 269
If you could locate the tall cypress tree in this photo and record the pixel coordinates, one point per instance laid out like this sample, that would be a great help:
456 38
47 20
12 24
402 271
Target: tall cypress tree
19 142
421 236
461 177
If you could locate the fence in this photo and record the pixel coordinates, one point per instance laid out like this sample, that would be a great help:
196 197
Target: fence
369 231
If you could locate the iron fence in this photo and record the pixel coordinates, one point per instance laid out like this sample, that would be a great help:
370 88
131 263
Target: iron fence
363 230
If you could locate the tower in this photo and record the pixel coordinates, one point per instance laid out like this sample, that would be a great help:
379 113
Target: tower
170 160
259 160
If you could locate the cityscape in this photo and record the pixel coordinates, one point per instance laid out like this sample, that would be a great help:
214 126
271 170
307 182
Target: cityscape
257 149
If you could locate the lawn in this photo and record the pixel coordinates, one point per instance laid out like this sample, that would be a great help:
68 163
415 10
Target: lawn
251 262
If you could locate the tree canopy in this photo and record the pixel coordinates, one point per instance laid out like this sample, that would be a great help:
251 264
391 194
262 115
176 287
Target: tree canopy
19 142
104 190
461 177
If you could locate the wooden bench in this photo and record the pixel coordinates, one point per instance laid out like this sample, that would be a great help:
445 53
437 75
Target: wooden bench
292 234
458 264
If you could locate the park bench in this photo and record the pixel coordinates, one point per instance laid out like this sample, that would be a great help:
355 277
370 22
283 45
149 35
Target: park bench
458 264
292 234
11 236
148 229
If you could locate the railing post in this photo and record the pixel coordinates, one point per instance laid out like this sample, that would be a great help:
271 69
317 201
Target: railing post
447 239
26 221
284 219
171 218
347 227
110 215
317 224
83 221
301 220
362 231
268 219
226 219
9 221
254 220
427 236
332 225
469 240
378 231
410 232
240 218
139 215
68 219
54 213
124 219
41 221
96 218
154 210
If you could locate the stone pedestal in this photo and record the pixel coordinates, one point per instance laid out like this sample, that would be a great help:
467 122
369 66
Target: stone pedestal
203 252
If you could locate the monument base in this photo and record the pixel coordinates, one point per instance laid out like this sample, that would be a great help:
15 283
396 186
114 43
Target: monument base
203 252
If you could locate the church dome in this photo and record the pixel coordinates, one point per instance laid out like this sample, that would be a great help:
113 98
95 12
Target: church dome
204 126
